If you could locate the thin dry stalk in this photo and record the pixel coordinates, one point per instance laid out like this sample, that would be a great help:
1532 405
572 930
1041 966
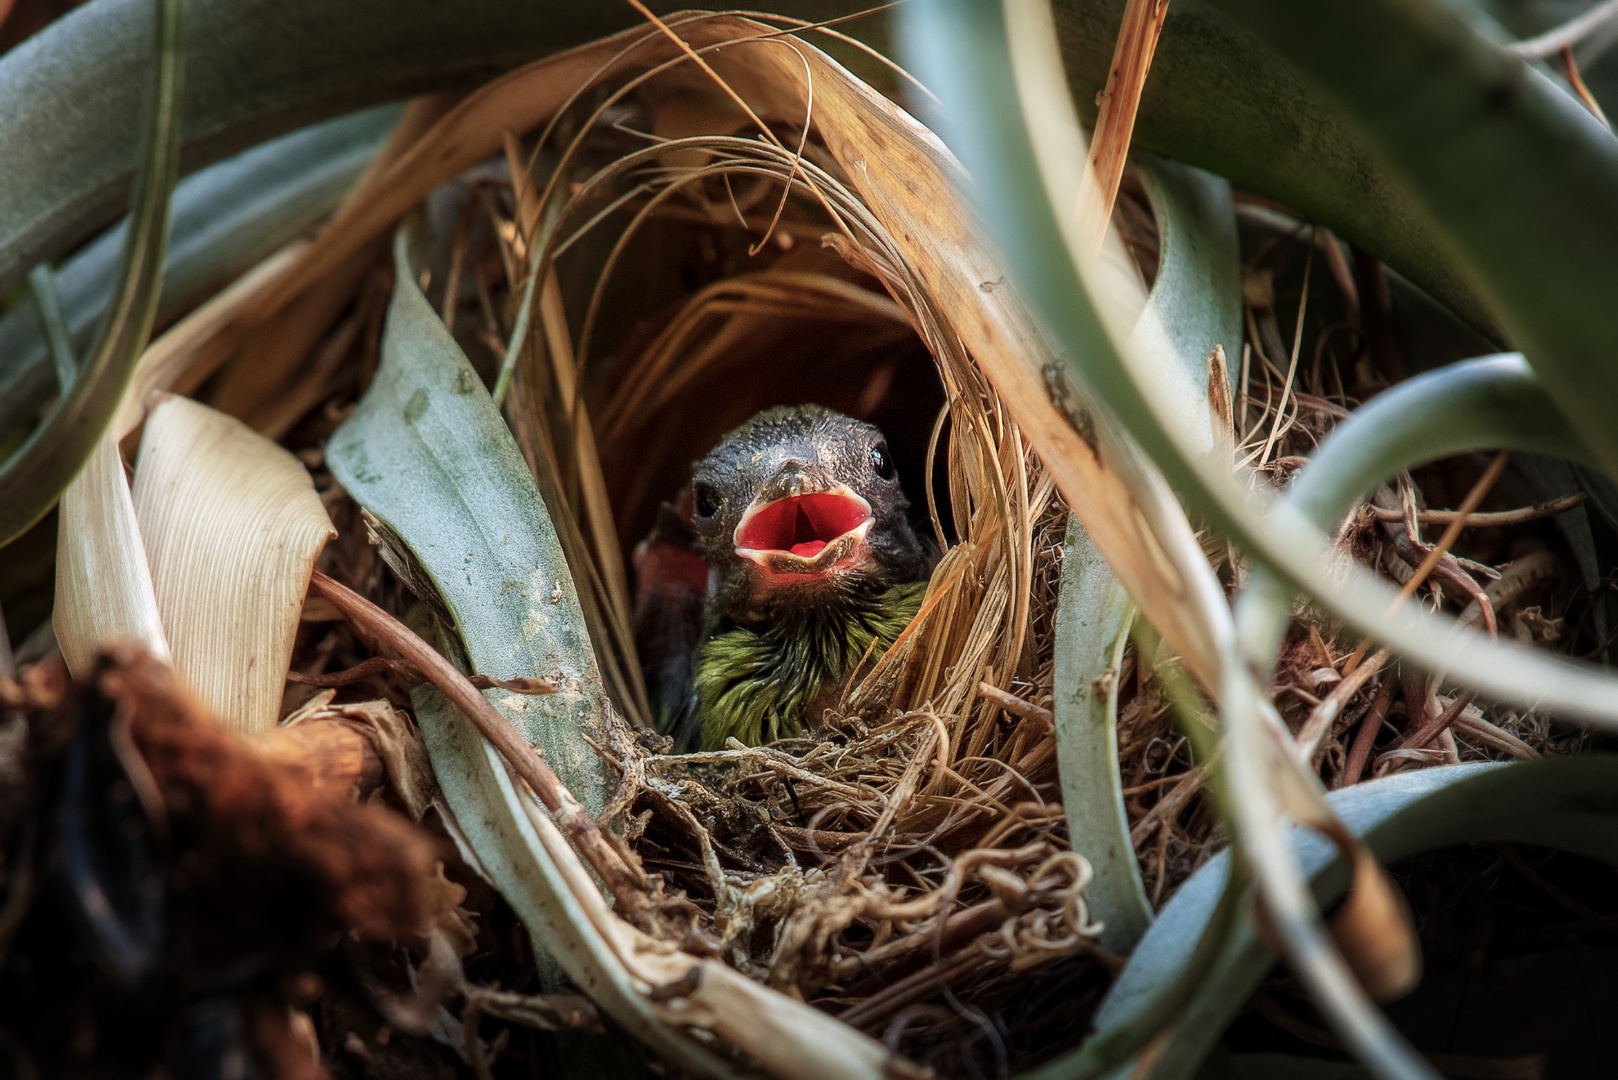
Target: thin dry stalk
1119 102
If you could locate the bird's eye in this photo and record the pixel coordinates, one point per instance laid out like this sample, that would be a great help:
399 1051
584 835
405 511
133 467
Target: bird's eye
881 464
707 501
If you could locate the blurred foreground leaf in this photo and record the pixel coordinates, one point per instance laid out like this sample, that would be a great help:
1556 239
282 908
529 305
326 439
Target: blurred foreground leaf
226 218
33 477
1565 803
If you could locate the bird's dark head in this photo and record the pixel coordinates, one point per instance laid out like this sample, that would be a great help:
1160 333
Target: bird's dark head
798 507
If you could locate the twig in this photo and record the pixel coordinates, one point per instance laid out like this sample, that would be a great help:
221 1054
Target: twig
625 880
1575 80
1325 714
457 261
1168 806
1484 732
1438 724
1016 705
1490 518
1115 123
1473 497
378 664
1292 365
1365 738
1568 34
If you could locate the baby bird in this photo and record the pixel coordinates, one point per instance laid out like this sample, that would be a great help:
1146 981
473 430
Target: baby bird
812 567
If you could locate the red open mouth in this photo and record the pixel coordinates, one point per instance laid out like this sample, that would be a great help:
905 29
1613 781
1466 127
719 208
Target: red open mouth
802 524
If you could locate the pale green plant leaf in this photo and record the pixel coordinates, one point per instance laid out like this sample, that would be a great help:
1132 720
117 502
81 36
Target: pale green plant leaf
429 456
1561 803
1092 628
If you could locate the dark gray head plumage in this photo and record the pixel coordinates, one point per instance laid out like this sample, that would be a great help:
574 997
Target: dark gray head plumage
798 510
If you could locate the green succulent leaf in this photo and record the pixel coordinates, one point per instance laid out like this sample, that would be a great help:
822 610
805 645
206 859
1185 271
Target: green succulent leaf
1196 297
34 477
1565 803
1092 628
225 219
429 456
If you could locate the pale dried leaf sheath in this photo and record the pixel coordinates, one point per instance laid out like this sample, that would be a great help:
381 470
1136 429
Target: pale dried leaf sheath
103 587
232 526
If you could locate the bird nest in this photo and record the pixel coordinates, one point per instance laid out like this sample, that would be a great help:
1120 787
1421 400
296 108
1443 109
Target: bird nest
905 866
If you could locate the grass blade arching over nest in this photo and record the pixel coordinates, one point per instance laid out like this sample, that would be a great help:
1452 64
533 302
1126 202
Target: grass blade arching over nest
232 527
36 474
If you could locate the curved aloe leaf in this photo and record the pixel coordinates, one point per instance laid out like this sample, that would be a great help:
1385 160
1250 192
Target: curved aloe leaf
226 219
1197 295
33 478
1505 167
962 51
1092 628
1492 402
1564 803
261 68
429 456
1195 304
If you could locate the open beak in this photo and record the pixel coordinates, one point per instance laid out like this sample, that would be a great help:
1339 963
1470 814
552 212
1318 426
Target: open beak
804 534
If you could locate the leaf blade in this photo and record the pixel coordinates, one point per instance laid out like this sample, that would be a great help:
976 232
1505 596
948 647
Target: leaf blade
1092 627
427 453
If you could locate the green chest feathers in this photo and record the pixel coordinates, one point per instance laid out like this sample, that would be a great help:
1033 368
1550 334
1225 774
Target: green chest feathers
758 685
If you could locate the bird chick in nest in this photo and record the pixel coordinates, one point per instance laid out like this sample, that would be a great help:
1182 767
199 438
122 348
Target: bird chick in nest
812 567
